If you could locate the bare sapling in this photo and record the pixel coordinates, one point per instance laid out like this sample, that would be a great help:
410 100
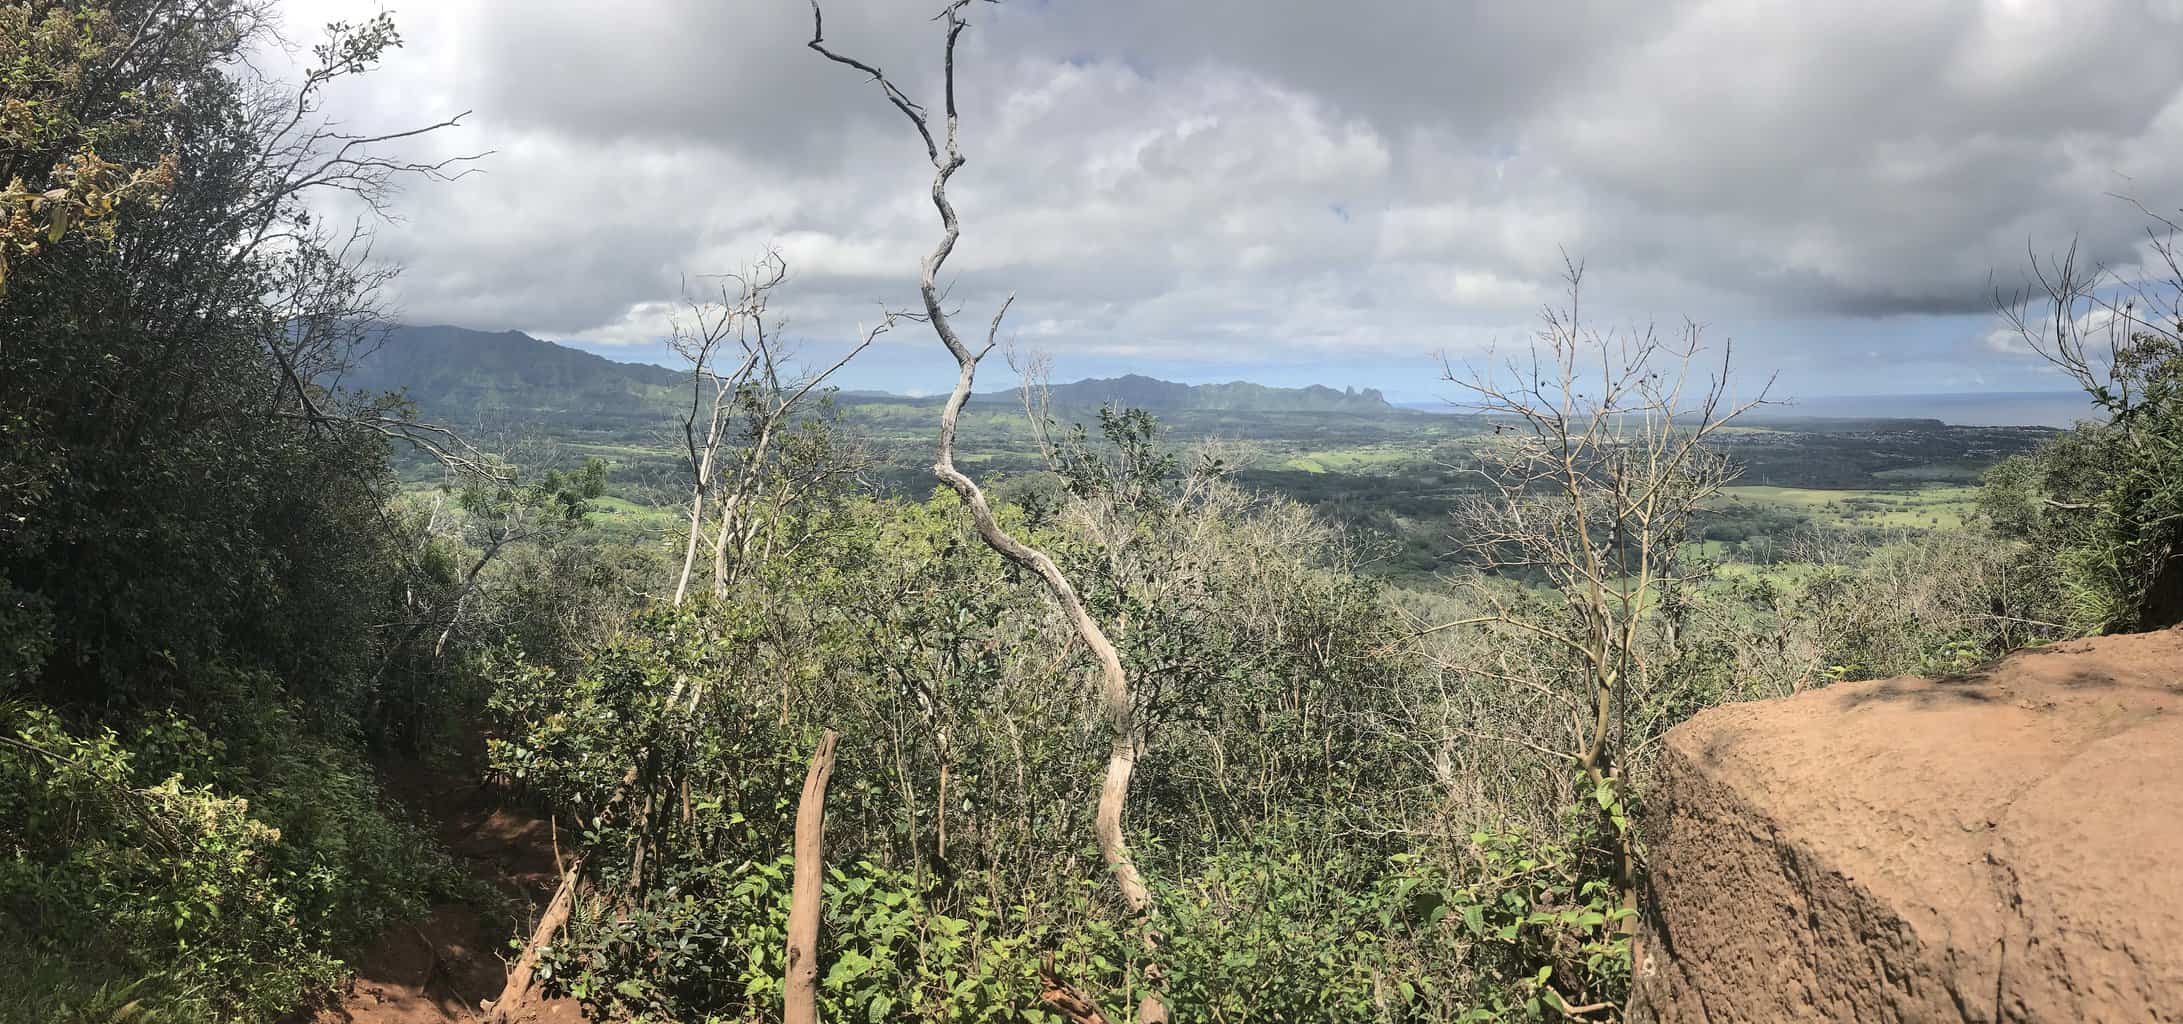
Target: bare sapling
1599 457
742 398
2109 331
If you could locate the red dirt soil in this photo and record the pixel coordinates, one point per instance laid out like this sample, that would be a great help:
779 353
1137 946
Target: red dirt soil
1999 847
440 969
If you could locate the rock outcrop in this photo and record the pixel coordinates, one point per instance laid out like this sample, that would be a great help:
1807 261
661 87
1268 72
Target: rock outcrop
2006 846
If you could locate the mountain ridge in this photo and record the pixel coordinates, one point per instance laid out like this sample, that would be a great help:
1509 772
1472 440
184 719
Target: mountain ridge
1156 395
460 375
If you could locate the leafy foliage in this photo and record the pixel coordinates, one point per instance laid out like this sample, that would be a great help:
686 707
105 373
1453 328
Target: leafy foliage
133 858
201 547
2106 500
2105 503
1278 690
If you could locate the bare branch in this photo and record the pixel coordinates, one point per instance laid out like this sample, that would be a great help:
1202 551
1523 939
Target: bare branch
1126 736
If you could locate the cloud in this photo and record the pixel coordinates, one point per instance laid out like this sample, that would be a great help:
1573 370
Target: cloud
1264 182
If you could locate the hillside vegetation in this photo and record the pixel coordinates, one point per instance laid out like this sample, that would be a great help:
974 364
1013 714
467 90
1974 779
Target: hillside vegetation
1137 703
1388 475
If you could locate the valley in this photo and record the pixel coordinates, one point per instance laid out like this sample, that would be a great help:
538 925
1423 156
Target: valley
1385 473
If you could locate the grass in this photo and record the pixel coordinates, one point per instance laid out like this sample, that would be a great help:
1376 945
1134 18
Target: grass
621 513
1799 496
1359 459
1933 474
1925 508
611 451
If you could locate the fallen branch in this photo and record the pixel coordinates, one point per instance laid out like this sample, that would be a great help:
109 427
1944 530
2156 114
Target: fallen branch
1066 999
518 987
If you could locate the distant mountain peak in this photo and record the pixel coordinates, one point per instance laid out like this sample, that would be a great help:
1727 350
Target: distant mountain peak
462 376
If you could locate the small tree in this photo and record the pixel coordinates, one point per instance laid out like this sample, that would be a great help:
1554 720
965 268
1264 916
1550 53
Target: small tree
1597 462
2105 502
494 516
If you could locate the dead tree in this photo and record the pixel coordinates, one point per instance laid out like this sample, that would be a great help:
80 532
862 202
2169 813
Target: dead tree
1126 738
2109 332
713 393
1599 458
737 412
800 986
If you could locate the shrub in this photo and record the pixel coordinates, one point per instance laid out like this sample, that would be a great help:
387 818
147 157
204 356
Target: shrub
206 879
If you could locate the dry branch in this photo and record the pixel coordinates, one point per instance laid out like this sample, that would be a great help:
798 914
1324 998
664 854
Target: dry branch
800 990
517 989
1070 1002
738 406
946 156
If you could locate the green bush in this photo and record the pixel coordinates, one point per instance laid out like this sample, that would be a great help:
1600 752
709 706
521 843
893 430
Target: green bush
2104 502
709 945
1262 932
169 890
208 879
2102 505
960 843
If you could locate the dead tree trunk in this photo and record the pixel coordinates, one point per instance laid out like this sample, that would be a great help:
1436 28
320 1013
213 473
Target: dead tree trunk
800 990
689 546
702 454
1118 706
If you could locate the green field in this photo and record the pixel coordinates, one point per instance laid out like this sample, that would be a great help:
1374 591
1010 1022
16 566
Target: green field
1391 479
1925 508
1361 459
622 514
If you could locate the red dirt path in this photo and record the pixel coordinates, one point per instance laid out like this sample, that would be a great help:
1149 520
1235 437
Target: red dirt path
440 969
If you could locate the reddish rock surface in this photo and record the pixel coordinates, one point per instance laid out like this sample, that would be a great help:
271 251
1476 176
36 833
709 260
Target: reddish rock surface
2005 846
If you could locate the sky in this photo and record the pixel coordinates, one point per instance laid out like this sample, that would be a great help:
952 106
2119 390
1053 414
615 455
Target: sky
1291 192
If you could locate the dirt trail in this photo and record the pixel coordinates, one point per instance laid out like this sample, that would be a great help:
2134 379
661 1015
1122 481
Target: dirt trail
439 969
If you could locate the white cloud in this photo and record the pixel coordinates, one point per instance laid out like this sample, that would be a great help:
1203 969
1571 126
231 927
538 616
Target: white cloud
1261 182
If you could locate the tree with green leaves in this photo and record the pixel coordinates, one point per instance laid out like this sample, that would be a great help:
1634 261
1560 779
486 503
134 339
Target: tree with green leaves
2103 504
201 565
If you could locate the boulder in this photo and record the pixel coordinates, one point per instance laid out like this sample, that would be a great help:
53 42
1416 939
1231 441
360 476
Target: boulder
2003 846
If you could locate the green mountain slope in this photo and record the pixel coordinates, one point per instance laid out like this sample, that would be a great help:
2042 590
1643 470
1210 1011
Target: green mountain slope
477 378
466 378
